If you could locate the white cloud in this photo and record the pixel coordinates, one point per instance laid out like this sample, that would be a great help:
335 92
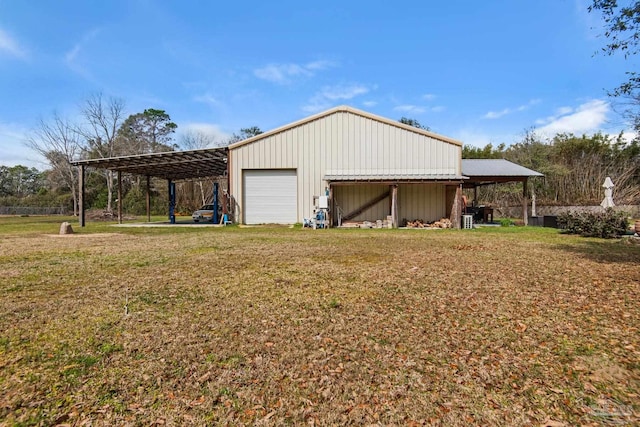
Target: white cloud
562 111
428 97
370 103
9 45
504 112
587 117
13 150
418 109
207 98
72 55
529 104
327 96
343 91
473 137
212 131
319 65
413 109
280 73
285 73
315 106
497 114
627 135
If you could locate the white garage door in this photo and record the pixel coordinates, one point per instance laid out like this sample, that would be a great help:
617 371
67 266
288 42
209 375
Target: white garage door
270 196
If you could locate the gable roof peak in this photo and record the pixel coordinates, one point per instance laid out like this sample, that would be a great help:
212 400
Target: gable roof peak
351 110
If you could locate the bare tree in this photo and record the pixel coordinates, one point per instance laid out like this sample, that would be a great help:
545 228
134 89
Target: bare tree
195 140
58 142
103 119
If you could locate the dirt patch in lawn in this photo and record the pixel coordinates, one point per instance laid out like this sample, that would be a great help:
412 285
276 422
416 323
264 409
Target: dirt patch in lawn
290 326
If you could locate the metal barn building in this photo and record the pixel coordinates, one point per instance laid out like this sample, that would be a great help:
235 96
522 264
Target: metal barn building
370 167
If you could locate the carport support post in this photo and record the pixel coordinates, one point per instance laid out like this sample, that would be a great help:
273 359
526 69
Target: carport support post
330 214
456 208
172 202
394 206
215 218
525 203
119 197
81 194
148 198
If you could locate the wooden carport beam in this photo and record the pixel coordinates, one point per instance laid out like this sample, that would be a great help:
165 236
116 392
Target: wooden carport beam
456 208
394 206
331 207
366 206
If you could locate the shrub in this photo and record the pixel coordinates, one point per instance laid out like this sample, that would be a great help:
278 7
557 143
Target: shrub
505 222
607 224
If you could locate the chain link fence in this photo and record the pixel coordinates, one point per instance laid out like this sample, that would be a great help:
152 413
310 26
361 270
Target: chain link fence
32 210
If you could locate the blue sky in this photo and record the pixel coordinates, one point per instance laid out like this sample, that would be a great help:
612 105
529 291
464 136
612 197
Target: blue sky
478 71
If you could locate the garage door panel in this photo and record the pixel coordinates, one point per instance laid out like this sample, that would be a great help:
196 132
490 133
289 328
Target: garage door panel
270 196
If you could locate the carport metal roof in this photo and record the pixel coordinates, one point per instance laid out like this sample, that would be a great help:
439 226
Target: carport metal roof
173 165
490 171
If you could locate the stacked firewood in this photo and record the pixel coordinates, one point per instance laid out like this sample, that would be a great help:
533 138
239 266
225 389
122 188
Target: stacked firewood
443 223
418 223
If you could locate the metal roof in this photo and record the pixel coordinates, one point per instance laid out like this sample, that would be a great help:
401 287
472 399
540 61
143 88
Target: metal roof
348 109
351 177
500 169
173 165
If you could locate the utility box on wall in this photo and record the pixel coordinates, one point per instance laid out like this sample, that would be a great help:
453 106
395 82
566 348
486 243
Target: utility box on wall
323 202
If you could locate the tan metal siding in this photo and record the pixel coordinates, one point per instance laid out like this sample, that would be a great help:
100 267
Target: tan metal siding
351 197
421 201
342 142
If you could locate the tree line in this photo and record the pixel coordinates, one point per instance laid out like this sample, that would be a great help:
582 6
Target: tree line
104 130
574 169
575 166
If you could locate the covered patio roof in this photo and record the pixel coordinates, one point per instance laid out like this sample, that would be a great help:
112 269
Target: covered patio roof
172 165
351 178
491 171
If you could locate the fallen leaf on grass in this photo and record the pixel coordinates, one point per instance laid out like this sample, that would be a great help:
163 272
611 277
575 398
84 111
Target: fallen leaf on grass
590 387
551 423
199 401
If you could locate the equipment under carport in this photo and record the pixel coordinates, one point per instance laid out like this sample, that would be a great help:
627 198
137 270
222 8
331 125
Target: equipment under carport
320 214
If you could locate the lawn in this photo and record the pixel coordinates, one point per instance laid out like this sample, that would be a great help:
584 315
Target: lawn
278 326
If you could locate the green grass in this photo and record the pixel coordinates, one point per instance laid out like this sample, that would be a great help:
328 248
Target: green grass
272 325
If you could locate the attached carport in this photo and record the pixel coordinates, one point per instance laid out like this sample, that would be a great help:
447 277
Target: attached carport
406 196
172 166
482 172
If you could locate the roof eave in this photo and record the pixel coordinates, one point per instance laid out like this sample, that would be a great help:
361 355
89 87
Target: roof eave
348 109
